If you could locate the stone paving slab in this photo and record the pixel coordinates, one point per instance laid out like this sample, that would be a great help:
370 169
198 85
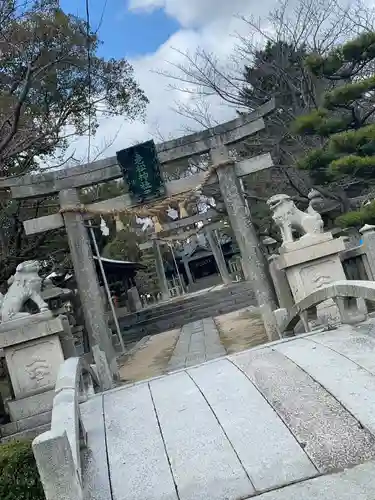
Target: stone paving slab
252 424
198 342
351 342
138 464
208 467
267 450
357 483
353 386
331 437
95 469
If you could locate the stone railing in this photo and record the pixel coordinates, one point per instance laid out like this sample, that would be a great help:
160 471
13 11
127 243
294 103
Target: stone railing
57 452
288 319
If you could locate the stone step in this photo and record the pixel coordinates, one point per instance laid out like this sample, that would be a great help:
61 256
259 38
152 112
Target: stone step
246 297
165 324
170 322
185 302
28 434
190 315
176 307
25 424
174 321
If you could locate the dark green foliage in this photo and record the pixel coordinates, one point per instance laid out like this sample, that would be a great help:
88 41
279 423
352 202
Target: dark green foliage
345 61
347 94
345 121
273 73
310 124
353 141
361 48
351 219
15 246
124 246
320 122
278 71
324 66
363 166
19 479
316 162
359 218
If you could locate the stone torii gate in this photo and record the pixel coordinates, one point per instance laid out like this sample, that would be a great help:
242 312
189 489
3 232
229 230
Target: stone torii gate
207 229
66 183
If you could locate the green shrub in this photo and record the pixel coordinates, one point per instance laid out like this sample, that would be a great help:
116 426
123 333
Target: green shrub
19 479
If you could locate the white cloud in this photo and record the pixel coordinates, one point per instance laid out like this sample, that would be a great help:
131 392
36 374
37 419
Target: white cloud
208 24
194 12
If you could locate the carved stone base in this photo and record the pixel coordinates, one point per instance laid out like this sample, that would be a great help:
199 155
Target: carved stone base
319 249
33 355
22 325
308 240
308 267
33 365
30 406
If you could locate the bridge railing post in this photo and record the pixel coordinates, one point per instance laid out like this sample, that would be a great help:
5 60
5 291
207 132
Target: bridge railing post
368 237
56 467
57 452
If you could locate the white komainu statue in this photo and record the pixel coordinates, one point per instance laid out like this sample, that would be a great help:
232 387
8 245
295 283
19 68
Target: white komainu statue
288 217
25 284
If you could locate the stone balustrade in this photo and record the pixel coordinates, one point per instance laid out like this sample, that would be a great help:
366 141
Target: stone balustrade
57 452
287 319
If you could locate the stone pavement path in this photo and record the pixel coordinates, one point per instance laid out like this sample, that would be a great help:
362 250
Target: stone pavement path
198 342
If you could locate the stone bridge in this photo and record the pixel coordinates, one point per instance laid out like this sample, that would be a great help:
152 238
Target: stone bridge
293 419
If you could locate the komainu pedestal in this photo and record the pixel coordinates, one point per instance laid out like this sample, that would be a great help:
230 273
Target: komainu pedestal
312 264
33 355
311 261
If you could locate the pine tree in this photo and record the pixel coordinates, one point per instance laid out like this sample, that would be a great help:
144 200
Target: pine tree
278 71
344 121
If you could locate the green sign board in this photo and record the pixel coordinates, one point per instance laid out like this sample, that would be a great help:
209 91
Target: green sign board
141 170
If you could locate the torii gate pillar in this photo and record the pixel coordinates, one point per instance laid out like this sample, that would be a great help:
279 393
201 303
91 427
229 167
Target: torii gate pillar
218 256
89 290
160 271
253 262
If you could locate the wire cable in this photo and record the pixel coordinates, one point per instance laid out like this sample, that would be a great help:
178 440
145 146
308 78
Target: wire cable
88 40
101 17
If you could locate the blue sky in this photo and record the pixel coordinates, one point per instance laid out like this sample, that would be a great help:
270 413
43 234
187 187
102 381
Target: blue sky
124 33
147 35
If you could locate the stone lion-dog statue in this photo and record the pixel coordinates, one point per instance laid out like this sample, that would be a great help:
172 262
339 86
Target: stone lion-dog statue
288 217
25 284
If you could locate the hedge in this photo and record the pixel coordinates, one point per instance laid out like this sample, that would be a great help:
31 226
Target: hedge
19 479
